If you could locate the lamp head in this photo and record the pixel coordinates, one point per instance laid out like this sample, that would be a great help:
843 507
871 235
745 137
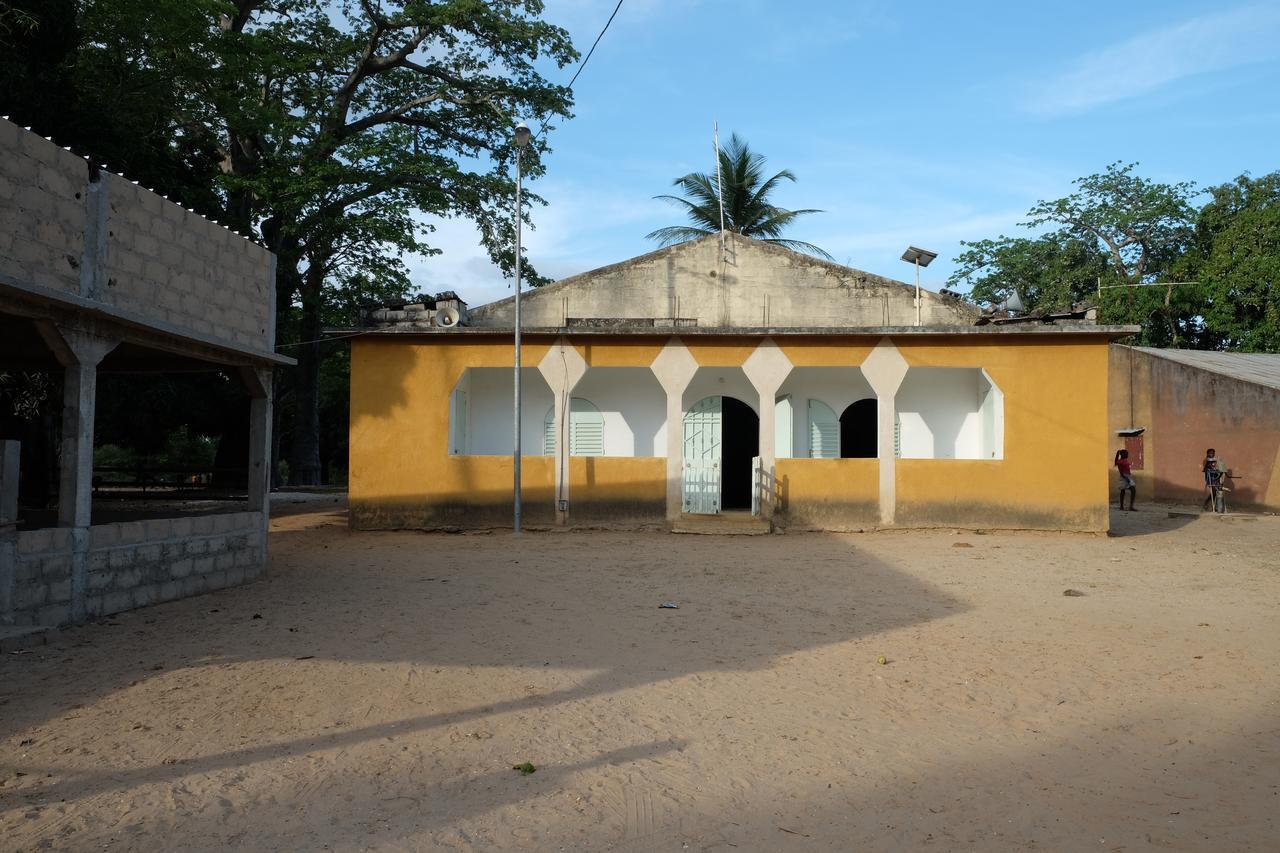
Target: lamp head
522 134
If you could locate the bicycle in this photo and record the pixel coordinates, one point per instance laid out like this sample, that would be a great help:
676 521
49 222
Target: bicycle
1218 490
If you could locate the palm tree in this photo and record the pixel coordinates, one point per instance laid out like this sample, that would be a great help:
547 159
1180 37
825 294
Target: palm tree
747 210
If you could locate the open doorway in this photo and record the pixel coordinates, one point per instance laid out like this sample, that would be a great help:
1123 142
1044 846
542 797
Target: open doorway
858 430
721 438
741 439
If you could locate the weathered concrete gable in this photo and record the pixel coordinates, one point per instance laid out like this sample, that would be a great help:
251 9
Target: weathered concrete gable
754 284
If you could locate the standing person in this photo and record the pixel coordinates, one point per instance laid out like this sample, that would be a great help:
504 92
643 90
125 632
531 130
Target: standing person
1211 476
1127 483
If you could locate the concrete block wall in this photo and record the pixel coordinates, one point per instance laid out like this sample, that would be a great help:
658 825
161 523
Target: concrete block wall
121 245
133 564
41 592
42 215
170 264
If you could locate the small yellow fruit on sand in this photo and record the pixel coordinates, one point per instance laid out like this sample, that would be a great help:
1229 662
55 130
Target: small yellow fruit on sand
882 660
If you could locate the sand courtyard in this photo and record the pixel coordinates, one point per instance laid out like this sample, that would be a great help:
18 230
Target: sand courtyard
374 691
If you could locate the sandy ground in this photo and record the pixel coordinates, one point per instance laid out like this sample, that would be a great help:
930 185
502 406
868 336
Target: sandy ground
375 690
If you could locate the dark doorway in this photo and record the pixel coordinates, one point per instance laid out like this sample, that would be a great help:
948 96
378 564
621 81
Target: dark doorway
740 437
858 430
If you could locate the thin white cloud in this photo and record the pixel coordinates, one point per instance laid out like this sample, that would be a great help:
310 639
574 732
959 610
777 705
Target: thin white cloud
578 230
1152 60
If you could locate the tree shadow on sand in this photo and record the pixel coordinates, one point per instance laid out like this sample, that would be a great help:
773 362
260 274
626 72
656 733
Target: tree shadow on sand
581 606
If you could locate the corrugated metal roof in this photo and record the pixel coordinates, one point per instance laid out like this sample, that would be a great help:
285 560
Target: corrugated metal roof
1256 367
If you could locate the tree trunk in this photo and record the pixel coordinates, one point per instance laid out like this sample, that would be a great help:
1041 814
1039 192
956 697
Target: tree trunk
304 461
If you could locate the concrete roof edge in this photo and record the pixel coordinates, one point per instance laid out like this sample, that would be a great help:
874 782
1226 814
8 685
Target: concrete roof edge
762 331
831 266
107 312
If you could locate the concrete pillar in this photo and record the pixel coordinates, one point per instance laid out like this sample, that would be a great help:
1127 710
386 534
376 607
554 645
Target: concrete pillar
674 368
258 384
884 369
9 461
80 352
767 368
563 368
10 458
79 401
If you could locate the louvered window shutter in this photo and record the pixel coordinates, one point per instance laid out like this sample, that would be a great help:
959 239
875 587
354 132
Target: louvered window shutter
549 433
586 429
824 431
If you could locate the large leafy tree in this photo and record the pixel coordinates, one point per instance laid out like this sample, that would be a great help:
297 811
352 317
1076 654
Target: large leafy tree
1143 227
1050 272
1118 231
329 129
333 113
1236 259
747 208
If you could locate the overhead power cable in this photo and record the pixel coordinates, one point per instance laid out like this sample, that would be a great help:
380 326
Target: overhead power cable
542 120
587 58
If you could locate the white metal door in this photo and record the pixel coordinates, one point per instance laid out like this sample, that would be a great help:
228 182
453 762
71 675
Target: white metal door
702 456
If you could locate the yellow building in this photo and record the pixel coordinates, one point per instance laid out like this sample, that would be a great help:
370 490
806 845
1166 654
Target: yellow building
638 415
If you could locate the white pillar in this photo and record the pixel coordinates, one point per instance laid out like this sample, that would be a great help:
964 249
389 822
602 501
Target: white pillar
884 369
563 368
674 368
767 368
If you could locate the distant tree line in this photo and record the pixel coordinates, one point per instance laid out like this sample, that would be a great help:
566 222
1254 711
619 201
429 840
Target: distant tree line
1218 264
325 130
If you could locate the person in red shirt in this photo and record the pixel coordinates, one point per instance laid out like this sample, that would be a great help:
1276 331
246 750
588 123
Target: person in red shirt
1127 483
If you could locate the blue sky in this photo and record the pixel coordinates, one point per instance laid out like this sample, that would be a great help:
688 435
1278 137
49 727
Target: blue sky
907 123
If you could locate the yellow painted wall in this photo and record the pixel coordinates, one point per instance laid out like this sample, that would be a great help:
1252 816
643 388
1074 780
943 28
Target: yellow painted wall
829 494
625 353
401 473
1054 474
823 352
1057 457
613 488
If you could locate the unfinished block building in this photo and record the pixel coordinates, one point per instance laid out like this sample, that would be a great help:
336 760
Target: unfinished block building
99 275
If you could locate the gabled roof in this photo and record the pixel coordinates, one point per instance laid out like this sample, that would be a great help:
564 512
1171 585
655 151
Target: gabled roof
750 283
1258 368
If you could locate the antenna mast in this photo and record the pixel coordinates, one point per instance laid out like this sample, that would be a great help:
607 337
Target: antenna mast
719 183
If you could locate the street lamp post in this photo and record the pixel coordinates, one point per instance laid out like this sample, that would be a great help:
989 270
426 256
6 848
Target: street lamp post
921 258
522 140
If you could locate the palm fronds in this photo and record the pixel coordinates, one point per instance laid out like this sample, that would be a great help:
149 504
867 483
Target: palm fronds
747 210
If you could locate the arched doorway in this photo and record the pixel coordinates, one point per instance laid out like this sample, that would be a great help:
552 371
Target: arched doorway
721 438
858 430
741 445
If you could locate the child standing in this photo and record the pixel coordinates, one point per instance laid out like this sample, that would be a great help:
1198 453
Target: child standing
1127 483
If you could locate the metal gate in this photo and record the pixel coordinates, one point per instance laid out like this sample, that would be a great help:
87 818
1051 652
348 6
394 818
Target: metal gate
702 457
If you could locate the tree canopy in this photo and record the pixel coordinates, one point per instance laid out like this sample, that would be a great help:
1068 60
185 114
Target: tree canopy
331 130
1140 249
747 208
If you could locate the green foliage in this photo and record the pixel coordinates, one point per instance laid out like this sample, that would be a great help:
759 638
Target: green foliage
26 394
118 81
1126 234
1236 257
181 449
1050 272
142 411
1142 225
747 210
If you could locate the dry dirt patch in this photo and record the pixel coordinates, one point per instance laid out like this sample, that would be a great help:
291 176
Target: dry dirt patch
375 691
